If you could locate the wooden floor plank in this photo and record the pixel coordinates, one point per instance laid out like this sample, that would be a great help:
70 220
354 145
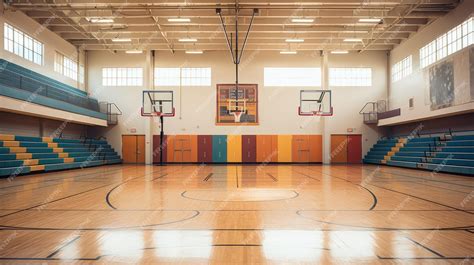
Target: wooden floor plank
188 214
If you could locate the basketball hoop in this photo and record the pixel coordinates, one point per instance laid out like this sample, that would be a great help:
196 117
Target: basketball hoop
157 114
237 115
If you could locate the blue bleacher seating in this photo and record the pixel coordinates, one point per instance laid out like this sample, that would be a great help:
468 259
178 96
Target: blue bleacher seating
449 153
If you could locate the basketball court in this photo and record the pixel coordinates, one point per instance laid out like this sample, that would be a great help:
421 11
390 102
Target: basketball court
237 132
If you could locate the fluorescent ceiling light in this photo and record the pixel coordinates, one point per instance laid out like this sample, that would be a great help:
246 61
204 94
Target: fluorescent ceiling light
179 19
370 20
288 52
302 20
194 52
340 52
122 40
133 51
352 40
100 20
187 40
294 40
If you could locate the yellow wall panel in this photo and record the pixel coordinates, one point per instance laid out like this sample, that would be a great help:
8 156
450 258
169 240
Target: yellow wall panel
234 148
284 148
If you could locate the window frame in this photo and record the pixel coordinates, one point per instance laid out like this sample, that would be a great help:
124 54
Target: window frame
353 77
22 44
122 76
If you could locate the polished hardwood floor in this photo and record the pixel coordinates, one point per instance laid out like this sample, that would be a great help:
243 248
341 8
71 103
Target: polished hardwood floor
233 214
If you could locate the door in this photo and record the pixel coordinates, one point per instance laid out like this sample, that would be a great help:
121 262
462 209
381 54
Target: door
219 148
205 148
140 149
338 148
354 148
133 149
249 148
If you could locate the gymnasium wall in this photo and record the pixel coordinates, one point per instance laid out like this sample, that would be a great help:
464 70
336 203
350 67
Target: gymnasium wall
416 85
52 42
38 127
277 105
462 122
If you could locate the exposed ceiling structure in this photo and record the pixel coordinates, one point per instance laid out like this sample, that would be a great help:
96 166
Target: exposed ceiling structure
194 25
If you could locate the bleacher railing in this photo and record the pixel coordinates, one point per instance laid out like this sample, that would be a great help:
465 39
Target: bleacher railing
18 81
369 112
111 110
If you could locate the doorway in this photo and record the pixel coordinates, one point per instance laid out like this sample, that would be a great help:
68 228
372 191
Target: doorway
346 148
133 149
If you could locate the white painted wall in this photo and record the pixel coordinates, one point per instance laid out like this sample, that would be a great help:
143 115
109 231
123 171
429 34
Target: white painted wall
52 42
348 101
416 84
277 105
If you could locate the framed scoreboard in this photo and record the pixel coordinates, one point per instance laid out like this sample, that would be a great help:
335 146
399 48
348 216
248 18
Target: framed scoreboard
237 106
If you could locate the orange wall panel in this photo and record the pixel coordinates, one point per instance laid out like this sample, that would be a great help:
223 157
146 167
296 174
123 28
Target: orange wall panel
170 144
263 147
274 148
300 148
316 148
194 148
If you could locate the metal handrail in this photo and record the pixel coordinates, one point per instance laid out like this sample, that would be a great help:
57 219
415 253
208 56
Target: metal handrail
373 107
116 107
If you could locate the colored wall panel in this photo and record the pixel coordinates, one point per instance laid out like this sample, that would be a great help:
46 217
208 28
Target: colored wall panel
219 148
234 148
194 148
183 148
170 145
300 148
204 148
338 149
354 148
316 148
263 148
274 148
284 148
249 148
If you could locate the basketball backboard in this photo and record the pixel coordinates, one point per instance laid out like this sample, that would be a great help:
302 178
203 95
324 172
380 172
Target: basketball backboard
315 103
157 103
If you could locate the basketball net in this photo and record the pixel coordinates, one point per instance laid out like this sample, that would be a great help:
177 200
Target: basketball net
237 115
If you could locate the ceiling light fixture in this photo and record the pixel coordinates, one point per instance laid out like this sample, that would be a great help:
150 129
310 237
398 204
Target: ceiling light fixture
179 19
194 52
288 52
122 40
370 20
134 51
294 40
352 40
340 52
302 20
187 40
100 20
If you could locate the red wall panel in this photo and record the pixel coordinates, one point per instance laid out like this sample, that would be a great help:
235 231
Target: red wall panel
249 148
354 148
